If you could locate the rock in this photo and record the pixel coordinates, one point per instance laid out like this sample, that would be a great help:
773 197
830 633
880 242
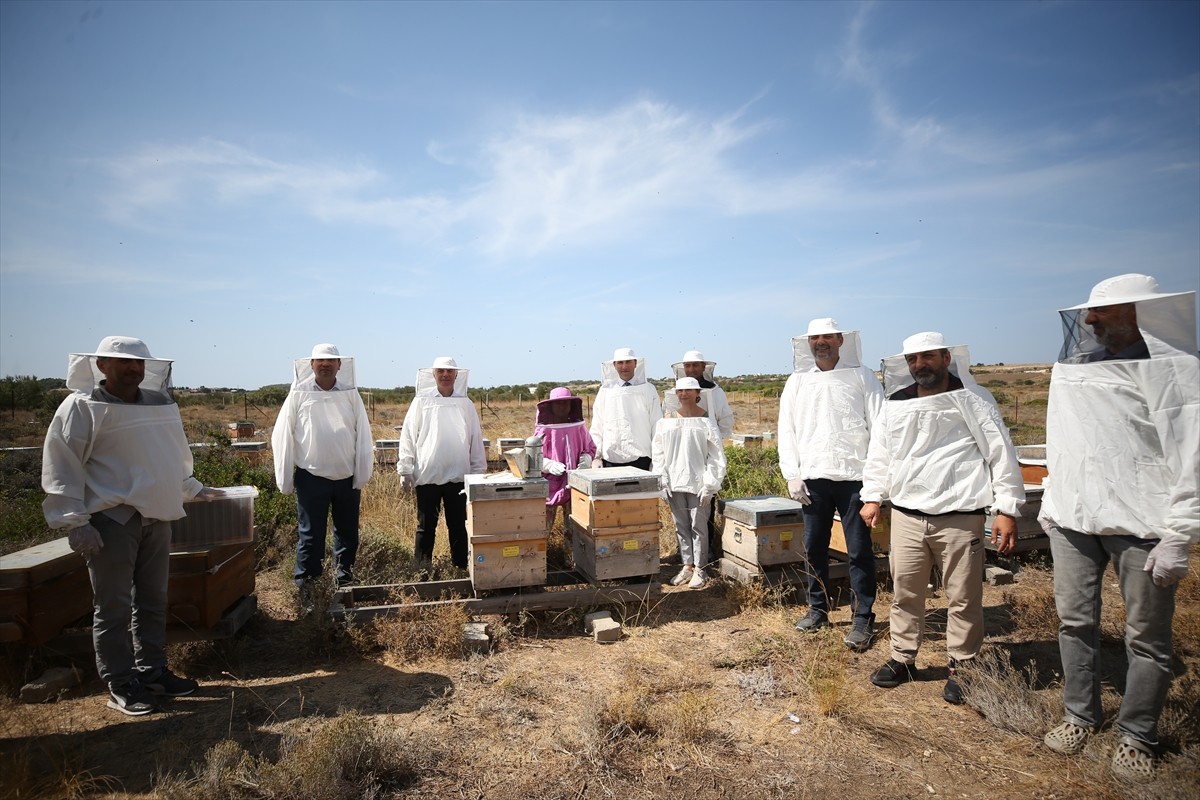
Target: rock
476 639
997 576
50 685
590 620
606 630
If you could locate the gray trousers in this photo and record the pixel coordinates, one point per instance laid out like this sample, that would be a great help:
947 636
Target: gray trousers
1080 560
691 527
129 587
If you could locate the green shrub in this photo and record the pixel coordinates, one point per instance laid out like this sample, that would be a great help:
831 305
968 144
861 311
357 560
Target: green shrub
753 471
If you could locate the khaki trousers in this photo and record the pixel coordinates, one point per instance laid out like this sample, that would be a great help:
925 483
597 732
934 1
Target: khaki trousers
955 543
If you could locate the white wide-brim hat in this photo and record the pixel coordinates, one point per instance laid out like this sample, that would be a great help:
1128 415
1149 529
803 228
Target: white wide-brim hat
325 350
926 340
123 347
445 362
693 355
822 325
624 354
686 383
1129 288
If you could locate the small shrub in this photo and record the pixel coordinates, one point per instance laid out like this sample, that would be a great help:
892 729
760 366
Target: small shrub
753 471
1008 697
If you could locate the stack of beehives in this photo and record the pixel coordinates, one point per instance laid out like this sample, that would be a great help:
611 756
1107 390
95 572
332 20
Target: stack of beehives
506 529
614 522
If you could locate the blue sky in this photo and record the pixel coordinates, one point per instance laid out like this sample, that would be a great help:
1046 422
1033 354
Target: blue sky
527 186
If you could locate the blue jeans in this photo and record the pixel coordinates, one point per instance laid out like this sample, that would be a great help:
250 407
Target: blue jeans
129 590
315 497
840 496
1080 560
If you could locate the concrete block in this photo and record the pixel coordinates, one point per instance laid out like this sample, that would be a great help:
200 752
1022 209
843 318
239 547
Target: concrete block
50 685
997 576
590 620
476 639
606 630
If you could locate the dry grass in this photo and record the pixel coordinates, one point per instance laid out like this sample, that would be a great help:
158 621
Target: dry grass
1008 697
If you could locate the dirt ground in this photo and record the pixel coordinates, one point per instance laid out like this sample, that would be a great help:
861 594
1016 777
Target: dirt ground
709 694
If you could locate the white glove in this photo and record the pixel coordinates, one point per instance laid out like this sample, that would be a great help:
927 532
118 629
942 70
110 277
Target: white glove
552 467
665 485
585 461
706 494
406 483
799 492
1167 563
597 463
85 540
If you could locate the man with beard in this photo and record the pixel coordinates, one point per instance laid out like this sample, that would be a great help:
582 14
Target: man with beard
941 454
1123 450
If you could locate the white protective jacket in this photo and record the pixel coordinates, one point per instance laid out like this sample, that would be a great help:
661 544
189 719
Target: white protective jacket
943 453
623 417
689 454
325 433
100 454
441 440
1123 436
712 399
825 418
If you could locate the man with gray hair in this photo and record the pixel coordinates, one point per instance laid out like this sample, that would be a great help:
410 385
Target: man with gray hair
117 470
940 452
323 450
826 414
1123 453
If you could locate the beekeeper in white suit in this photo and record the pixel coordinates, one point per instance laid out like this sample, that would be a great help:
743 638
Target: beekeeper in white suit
713 399
117 470
826 413
940 452
689 456
623 416
1123 455
324 452
441 442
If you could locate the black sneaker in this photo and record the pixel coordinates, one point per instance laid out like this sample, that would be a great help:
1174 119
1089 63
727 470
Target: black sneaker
168 684
892 674
133 699
952 693
814 620
859 638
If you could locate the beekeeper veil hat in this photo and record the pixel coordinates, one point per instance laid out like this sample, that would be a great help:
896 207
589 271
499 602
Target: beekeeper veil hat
427 377
83 375
1166 320
850 354
303 371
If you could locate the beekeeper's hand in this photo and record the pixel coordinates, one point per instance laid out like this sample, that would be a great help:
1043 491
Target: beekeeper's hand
665 485
799 492
706 494
406 483
85 540
1167 563
552 467
585 461
597 463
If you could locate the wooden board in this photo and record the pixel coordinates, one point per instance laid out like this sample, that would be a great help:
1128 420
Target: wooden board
498 562
766 546
39 613
201 598
524 515
598 513
622 553
33 565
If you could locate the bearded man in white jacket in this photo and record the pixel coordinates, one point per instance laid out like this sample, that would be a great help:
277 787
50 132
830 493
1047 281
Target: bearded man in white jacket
324 452
826 413
1123 455
117 471
940 452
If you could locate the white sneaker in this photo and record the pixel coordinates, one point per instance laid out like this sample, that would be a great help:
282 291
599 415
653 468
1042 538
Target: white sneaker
684 575
697 580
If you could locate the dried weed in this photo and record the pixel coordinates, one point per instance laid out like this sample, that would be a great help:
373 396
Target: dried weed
1007 697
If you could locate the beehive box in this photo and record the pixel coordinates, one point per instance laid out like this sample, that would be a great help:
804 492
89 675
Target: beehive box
602 482
752 440
508 560
204 584
387 452
1032 458
43 589
613 498
625 552
507 443
1027 524
881 534
224 520
763 531
240 430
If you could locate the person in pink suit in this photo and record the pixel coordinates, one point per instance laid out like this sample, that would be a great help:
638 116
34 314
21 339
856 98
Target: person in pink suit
566 445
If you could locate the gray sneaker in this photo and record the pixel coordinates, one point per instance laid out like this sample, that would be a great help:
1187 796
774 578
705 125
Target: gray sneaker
814 620
860 636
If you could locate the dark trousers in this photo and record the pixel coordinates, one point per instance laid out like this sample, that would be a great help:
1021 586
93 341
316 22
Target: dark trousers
315 498
430 497
840 496
641 463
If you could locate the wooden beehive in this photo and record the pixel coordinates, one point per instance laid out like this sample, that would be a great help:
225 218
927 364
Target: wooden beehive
763 531
612 553
506 530
598 514
204 584
881 534
43 589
